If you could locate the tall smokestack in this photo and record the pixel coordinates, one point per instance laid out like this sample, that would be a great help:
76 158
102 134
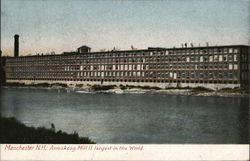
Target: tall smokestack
16 46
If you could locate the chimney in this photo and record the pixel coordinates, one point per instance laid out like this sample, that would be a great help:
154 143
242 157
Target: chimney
16 46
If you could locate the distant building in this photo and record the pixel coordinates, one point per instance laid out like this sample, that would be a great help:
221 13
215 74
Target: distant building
2 64
211 66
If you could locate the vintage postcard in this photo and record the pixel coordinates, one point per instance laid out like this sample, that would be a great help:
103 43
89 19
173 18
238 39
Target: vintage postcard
124 80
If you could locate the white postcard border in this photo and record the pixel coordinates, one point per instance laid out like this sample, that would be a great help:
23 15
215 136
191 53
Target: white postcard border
124 152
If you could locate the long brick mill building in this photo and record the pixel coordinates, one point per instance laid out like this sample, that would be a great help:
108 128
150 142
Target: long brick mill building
213 67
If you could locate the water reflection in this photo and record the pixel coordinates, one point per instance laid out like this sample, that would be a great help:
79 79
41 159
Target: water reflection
132 118
243 121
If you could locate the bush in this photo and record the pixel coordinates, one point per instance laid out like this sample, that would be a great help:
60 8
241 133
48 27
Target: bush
200 90
12 131
123 87
233 90
42 85
79 85
148 87
100 88
141 87
178 88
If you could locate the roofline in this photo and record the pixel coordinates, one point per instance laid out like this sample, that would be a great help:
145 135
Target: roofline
138 50
203 47
84 46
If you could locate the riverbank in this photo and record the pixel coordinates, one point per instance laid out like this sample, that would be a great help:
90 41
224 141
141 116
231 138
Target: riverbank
80 88
13 131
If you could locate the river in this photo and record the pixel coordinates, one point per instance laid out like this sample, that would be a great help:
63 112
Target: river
132 118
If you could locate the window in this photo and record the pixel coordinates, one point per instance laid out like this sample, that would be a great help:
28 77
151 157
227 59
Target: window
210 58
235 57
210 75
224 57
220 57
230 50
235 75
205 58
235 66
230 66
215 57
225 65
201 58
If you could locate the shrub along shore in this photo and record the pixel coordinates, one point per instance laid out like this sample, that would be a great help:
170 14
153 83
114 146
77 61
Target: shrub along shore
13 131
197 91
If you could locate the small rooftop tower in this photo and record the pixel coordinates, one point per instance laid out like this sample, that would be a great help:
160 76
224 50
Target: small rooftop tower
83 49
16 45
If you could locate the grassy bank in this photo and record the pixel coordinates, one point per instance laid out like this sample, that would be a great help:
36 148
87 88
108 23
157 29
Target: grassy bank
233 90
199 90
12 131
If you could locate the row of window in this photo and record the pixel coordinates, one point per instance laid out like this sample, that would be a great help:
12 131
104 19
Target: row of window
132 80
173 75
215 58
201 58
195 66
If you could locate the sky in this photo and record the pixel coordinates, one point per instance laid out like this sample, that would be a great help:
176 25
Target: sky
64 25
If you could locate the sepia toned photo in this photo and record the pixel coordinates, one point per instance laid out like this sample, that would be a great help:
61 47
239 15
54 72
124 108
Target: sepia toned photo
85 76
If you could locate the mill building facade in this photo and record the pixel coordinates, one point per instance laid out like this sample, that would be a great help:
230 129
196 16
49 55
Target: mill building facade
210 66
